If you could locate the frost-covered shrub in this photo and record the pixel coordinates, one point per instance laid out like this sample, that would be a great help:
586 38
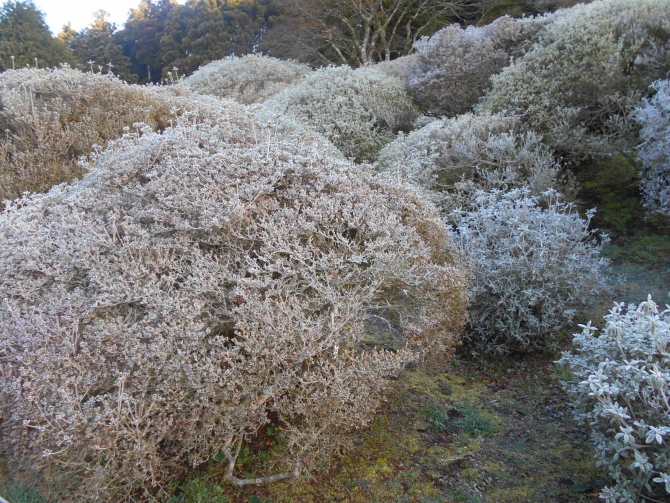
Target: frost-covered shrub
52 117
200 283
621 391
535 264
400 68
249 79
654 152
581 81
455 158
455 64
362 109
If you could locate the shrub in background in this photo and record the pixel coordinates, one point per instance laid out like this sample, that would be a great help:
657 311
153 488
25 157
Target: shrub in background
535 264
200 283
249 79
361 109
52 117
621 392
399 68
454 158
654 152
580 83
455 65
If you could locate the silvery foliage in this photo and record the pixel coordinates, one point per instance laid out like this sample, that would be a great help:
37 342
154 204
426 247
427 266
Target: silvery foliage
455 64
361 110
580 83
621 390
400 68
248 79
535 264
198 283
454 158
654 152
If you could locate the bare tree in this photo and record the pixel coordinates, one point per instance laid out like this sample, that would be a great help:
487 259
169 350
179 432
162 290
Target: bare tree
361 32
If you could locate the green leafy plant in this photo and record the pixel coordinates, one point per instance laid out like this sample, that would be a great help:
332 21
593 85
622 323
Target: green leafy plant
438 419
466 419
200 490
20 492
471 420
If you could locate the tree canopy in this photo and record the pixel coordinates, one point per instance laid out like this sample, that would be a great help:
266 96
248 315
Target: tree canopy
94 47
24 37
160 35
358 32
141 37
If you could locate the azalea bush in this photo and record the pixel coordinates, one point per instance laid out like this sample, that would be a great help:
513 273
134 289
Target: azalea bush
654 151
620 391
454 66
197 286
454 158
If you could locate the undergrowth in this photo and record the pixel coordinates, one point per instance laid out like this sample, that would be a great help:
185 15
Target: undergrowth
612 185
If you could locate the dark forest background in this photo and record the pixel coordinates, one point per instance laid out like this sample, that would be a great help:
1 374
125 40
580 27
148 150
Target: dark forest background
161 35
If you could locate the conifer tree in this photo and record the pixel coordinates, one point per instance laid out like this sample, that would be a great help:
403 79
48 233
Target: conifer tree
141 38
201 31
24 37
67 34
94 46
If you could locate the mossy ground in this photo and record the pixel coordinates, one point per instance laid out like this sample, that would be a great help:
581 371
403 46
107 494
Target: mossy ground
518 444
612 185
640 243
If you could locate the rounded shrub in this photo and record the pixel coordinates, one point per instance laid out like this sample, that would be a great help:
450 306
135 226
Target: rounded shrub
248 79
620 391
361 109
455 64
580 83
535 264
454 158
400 68
200 284
53 117
654 151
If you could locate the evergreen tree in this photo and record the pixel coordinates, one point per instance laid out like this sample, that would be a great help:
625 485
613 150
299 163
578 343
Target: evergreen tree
201 31
172 48
95 46
67 34
25 36
141 38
